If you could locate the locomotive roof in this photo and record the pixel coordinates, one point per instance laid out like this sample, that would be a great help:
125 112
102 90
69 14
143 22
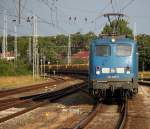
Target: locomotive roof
108 40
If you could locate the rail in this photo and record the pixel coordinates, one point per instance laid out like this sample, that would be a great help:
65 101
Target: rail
123 117
88 118
28 88
46 99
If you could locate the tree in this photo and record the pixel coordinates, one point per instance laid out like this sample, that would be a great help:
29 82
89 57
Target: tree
123 28
143 42
88 39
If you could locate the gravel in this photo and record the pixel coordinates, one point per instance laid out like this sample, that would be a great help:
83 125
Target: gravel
53 116
139 110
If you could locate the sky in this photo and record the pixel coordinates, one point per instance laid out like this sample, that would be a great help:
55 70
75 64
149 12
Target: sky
71 16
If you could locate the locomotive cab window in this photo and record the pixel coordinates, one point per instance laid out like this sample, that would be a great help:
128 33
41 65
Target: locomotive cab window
103 50
123 50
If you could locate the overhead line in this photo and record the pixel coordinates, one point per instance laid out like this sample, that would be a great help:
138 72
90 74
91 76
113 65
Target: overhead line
128 4
44 21
19 11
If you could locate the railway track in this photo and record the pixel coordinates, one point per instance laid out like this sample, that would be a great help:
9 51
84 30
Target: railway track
138 109
146 83
37 101
10 101
31 88
88 122
121 123
123 116
41 100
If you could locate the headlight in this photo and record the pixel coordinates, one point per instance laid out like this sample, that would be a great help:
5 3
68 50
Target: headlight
98 72
128 72
128 69
113 39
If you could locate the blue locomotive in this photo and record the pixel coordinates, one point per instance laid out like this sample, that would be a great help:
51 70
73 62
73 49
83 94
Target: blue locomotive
113 66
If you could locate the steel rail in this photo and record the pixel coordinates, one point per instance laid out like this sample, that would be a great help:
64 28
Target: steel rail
121 122
28 88
8 103
51 98
84 122
146 83
14 104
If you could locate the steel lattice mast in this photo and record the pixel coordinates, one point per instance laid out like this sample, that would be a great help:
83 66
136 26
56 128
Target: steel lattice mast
4 43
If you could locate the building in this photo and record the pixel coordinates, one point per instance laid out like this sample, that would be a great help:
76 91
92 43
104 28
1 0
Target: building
80 57
8 56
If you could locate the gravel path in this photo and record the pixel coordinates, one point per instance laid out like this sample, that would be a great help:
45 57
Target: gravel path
53 116
139 110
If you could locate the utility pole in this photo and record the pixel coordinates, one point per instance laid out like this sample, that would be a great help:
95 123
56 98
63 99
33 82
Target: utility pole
33 58
4 43
6 33
44 58
143 58
38 57
15 43
69 49
135 31
30 48
19 11
41 64
35 49
30 20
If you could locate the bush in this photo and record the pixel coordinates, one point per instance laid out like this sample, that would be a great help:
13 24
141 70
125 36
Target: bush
12 68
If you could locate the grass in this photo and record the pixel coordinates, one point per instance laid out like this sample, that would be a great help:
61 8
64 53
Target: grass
18 81
10 68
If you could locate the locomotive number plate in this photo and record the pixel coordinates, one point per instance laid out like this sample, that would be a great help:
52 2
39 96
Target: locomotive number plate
113 76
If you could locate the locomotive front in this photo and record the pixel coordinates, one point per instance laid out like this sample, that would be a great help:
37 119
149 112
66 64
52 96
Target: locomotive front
113 66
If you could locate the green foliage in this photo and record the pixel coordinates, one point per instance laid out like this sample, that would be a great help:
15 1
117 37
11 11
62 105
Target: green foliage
143 41
11 68
54 48
88 38
123 28
78 61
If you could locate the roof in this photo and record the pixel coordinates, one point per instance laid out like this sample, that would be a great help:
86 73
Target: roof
81 54
109 41
8 54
